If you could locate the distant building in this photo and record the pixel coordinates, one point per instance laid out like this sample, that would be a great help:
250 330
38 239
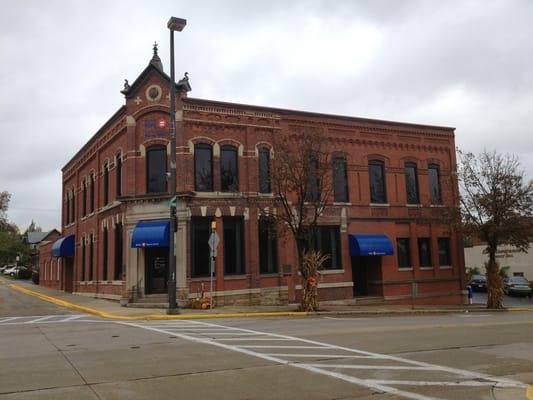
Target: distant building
519 263
383 228
34 239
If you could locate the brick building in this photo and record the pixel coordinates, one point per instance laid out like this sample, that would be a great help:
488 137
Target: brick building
384 230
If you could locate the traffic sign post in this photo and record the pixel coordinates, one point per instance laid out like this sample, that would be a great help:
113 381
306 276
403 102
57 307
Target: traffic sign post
213 244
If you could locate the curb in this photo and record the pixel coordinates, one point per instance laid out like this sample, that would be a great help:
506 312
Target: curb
106 315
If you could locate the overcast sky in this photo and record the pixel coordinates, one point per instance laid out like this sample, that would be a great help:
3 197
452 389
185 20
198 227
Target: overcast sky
466 64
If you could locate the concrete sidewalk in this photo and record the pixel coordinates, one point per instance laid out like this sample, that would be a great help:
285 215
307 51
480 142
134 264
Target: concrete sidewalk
112 309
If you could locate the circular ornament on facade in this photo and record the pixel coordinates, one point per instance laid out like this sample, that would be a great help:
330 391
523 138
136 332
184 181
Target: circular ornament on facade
153 93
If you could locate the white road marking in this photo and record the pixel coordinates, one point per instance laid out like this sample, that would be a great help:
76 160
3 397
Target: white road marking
39 319
325 369
321 356
346 319
369 366
439 383
45 319
7 319
71 318
256 346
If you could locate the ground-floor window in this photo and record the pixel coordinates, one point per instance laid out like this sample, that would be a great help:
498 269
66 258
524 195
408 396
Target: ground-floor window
91 257
200 253
233 245
327 240
104 253
444 251
268 254
82 272
404 259
424 252
118 252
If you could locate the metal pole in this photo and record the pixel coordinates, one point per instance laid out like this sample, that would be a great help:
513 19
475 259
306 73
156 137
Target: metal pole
172 306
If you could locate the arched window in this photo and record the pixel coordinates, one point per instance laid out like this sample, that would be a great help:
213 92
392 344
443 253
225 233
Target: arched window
73 205
376 173
434 184
203 168
229 175
411 183
105 179
340 179
91 194
156 170
118 172
84 197
264 170
67 211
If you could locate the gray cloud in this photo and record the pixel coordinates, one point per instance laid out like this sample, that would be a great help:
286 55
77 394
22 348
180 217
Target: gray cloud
466 64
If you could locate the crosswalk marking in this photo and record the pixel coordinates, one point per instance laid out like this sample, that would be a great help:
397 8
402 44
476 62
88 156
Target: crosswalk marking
235 341
44 319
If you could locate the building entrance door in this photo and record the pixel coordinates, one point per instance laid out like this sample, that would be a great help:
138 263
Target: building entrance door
366 275
156 265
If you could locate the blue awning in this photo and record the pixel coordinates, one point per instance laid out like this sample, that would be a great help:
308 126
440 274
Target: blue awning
370 245
63 247
151 234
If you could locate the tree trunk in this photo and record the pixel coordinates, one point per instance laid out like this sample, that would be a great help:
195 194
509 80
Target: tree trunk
494 282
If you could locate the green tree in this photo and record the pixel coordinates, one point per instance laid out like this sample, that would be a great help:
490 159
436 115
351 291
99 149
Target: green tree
497 206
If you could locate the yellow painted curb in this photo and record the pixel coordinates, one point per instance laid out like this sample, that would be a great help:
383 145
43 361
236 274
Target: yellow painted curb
521 309
104 314
529 392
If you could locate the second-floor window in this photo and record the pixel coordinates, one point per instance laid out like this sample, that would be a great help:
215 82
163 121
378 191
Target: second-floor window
156 170
105 179
313 184
84 198
264 170
91 194
340 180
67 213
73 206
118 171
434 184
229 175
376 173
411 183
203 168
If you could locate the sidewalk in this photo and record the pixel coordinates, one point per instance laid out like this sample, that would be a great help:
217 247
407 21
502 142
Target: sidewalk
113 310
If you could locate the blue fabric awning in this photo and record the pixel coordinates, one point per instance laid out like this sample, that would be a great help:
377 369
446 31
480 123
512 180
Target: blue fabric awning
370 245
151 234
63 247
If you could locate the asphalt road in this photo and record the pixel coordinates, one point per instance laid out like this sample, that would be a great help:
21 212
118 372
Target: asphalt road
49 353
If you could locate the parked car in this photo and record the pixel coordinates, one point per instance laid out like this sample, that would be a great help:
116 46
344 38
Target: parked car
4 267
478 283
18 272
10 270
517 285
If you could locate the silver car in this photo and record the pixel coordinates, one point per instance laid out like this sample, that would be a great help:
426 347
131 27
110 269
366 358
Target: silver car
517 285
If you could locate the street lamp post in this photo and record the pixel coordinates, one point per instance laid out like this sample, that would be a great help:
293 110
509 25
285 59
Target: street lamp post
174 24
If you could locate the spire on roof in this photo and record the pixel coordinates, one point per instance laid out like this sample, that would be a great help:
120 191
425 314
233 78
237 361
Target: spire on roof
156 61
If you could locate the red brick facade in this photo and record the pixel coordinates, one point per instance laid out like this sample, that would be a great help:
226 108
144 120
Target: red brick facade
126 137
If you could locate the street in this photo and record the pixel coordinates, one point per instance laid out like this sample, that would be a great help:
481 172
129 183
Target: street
47 352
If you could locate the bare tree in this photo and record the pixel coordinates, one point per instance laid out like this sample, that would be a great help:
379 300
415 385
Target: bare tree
302 185
497 206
